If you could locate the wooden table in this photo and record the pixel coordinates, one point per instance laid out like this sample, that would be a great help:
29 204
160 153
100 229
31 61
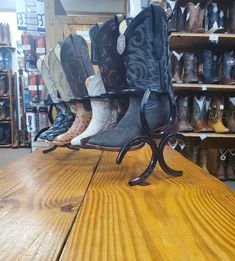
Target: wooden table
77 206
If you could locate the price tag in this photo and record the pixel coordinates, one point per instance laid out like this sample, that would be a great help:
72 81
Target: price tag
204 88
203 136
21 15
32 87
40 87
26 47
214 38
40 10
40 50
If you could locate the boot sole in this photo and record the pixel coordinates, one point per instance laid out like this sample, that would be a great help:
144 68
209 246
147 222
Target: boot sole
114 149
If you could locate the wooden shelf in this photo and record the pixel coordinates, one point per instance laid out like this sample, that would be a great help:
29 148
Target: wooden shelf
203 87
8 47
5 121
5 146
4 97
209 135
192 41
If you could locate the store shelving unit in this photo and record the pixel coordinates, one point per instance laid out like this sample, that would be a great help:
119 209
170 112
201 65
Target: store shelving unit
8 97
209 135
203 87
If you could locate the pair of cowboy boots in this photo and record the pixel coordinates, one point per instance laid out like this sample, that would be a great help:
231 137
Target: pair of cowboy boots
216 115
195 18
230 114
214 22
225 165
5 38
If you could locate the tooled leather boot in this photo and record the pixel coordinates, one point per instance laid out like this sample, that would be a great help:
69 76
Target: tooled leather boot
230 114
146 63
220 172
199 115
194 156
190 68
171 13
215 116
177 66
228 68
230 168
209 66
181 19
232 17
195 18
214 19
203 157
183 114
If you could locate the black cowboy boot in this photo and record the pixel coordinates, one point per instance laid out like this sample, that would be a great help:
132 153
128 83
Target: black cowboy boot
177 66
190 68
181 19
214 19
183 114
146 62
209 67
171 13
228 68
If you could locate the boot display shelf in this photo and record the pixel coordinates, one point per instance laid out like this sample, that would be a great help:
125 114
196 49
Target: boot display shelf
203 87
10 99
209 135
192 41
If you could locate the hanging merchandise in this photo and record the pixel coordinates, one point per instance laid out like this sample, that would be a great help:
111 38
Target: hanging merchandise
21 15
40 10
40 45
43 117
31 118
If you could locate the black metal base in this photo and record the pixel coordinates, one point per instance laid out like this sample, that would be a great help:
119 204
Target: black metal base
71 147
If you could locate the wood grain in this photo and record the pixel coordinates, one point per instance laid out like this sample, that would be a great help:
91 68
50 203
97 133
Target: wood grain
184 218
39 199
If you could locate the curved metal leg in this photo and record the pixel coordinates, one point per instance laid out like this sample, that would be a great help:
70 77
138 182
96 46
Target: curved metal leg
140 180
40 132
50 149
161 159
72 147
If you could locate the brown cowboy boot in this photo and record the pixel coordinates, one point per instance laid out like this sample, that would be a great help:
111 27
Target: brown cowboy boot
194 156
190 68
215 116
203 157
230 114
230 170
220 172
232 17
183 114
195 18
199 115
177 66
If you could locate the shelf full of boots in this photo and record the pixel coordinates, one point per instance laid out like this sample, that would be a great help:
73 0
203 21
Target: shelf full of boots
202 37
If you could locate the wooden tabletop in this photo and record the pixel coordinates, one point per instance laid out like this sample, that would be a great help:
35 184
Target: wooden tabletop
78 206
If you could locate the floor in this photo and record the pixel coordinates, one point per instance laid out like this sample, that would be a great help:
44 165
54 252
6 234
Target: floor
10 155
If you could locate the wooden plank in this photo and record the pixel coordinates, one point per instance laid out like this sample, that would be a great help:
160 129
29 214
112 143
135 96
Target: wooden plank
83 19
209 135
39 199
203 87
184 218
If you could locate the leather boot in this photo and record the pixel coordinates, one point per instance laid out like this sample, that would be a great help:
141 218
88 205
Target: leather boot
146 63
214 19
203 157
195 18
171 13
232 17
209 67
190 68
199 115
194 157
7 136
228 68
230 168
215 115
177 66
1 133
230 114
220 172
8 35
2 111
181 19
183 114
1 33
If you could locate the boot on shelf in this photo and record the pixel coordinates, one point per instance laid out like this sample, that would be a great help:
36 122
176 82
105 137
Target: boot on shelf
230 168
1 133
190 68
194 153
209 67
181 19
6 136
232 17
177 66
220 172
6 35
199 115
2 86
215 115
203 157
214 19
230 114
2 111
1 33
228 67
183 114
195 18
171 13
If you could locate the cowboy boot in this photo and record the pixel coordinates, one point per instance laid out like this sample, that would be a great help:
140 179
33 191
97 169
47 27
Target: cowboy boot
171 13
203 157
183 112
6 136
1 133
194 154
220 172
8 35
215 116
2 111
190 68
181 19
199 115
214 19
230 171
232 17
228 68
209 67
230 114
195 18
1 33
146 62
177 66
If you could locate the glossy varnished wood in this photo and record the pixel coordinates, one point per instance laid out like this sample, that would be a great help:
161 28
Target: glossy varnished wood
39 198
184 218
